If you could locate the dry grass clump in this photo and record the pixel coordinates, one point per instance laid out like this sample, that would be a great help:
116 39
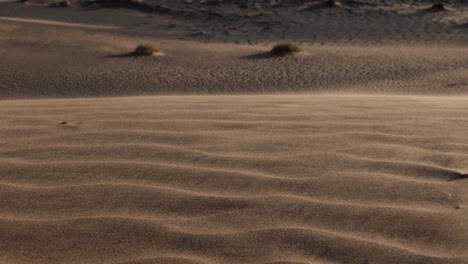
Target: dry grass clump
331 3
438 7
144 50
118 2
284 48
213 2
64 3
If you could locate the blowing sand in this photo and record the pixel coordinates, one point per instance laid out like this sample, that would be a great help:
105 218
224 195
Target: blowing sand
353 151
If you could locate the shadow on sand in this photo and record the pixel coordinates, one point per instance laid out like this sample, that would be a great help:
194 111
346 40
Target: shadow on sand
436 8
463 26
126 55
260 56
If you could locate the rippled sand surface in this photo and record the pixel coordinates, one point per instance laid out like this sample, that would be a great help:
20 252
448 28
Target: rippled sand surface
234 179
352 151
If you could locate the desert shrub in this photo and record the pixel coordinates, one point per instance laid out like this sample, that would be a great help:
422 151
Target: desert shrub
117 2
144 49
438 7
331 3
213 2
64 3
284 48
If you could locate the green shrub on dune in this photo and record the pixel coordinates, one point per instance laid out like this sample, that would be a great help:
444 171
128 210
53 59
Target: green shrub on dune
332 3
438 7
284 48
144 50
64 3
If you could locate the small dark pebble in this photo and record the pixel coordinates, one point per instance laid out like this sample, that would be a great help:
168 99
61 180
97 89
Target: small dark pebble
63 123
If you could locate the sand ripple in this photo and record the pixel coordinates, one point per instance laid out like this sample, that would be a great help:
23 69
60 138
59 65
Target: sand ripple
247 179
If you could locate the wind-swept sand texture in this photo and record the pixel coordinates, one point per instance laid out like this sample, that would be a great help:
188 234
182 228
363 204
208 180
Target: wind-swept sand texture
378 48
234 179
339 176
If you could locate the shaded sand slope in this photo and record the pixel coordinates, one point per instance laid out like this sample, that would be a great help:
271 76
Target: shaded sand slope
239 179
84 52
72 63
254 21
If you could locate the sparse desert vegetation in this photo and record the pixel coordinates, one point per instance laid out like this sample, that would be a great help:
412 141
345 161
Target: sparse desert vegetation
233 131
64 3
332 3
284 48
438 7
144 50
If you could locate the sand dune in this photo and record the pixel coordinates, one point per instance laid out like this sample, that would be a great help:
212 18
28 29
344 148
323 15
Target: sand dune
73 65
330 175
234 179
378 48
52 22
